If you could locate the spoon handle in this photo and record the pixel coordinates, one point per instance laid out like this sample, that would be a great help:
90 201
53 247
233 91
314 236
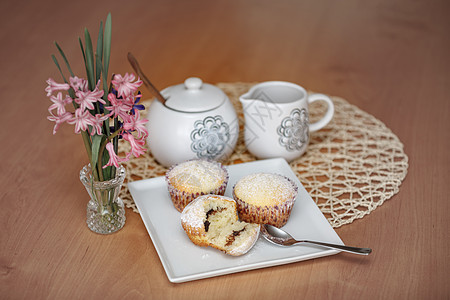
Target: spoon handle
356 250
148 84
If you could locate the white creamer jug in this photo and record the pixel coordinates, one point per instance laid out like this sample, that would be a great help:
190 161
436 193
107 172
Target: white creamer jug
277 119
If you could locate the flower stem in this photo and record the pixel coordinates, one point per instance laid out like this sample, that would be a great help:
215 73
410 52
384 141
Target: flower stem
103 145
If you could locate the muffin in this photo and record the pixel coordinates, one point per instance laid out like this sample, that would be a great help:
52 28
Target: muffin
188 180
212 220
265 198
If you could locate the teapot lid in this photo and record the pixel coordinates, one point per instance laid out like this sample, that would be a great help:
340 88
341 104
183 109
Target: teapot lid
193 96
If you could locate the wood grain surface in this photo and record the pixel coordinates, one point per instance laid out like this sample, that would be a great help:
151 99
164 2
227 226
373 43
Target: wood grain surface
389 58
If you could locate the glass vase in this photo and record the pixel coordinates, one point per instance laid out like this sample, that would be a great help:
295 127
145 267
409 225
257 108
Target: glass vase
105 210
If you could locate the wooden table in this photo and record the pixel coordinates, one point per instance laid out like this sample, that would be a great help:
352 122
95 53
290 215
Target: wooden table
389 58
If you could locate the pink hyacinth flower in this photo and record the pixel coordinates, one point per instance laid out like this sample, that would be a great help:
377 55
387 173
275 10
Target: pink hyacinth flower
113 158
59 119
86 99
118 108
97 122
125 85
78 84
134 123
81 120
54 86
59 103
136 145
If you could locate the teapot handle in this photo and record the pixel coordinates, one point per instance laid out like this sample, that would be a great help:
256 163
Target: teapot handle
328 115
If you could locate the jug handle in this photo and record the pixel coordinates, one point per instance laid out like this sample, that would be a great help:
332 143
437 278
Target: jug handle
328 115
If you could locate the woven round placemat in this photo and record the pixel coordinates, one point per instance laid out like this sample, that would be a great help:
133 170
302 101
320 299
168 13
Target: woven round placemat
351 166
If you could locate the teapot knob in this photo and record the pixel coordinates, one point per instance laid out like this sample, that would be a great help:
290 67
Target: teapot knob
193 83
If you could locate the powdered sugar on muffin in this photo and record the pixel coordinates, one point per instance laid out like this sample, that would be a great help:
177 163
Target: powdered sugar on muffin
265 189
197 176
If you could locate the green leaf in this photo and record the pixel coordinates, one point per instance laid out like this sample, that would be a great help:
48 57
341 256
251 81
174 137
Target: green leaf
59 68
89 60
82 50
99 53
107 172
96 142
98 67
116 138
106 51
65 59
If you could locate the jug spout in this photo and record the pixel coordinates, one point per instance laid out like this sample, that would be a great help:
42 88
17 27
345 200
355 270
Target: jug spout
246 99
258 95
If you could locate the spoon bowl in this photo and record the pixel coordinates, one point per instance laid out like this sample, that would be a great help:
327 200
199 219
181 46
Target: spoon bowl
282 238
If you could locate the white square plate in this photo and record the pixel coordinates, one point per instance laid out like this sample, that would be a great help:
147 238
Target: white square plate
184 261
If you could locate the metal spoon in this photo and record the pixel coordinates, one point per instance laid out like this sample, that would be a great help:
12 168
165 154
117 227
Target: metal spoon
133 62
280 237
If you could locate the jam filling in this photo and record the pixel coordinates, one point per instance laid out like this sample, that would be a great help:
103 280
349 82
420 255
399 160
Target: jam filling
232 237
206 223
209 213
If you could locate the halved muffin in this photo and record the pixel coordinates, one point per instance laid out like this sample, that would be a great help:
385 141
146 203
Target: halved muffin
212 220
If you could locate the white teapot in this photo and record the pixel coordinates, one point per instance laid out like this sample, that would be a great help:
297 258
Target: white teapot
196 121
